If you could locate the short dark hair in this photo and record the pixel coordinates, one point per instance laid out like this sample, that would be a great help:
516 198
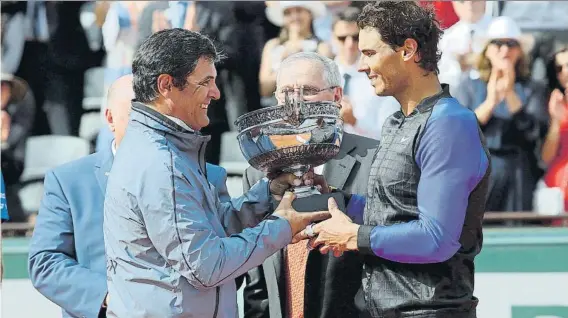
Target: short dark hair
397 21
171 51
349 14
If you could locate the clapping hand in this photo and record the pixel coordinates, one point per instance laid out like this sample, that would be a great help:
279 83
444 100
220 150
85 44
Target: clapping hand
557 106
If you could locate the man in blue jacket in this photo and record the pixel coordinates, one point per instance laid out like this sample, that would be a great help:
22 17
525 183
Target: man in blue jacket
67 257
173 250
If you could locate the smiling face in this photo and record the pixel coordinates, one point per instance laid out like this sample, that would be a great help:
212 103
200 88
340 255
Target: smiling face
308 74
381 63
190 103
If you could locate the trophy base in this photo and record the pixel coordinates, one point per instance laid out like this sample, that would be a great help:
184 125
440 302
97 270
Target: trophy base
315 202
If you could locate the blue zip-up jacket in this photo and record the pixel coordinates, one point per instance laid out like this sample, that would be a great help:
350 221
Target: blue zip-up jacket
173 250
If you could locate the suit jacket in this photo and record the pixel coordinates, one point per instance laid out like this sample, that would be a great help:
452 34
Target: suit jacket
69 269
331 283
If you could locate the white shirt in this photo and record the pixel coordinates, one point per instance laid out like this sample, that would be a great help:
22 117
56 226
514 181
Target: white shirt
180 122
456 41
370 110
113 147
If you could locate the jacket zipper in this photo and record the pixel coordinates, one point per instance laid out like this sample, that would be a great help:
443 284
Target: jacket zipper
218 288
200 160
217 291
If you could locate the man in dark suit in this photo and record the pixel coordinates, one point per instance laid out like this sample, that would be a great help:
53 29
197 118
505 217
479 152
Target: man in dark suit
330 283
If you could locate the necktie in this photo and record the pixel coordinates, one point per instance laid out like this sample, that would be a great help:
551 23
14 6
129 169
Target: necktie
346 78
296 259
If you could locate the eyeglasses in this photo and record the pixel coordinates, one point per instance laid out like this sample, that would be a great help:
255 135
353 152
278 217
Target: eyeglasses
354 37
507 43
560 67
308 91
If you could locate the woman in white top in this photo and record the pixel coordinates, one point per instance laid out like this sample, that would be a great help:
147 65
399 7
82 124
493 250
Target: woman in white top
297 34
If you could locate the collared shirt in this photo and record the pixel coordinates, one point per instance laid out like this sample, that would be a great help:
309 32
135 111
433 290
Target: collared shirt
180 122
370 110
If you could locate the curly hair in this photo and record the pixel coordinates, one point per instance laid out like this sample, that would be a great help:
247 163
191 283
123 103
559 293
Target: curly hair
397 21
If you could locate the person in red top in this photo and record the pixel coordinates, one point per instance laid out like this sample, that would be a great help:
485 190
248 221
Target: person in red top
444 11
555 147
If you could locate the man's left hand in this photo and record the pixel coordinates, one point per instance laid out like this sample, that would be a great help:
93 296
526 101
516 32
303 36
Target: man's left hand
338 234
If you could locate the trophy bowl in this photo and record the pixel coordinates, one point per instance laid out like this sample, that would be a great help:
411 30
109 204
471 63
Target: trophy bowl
293 137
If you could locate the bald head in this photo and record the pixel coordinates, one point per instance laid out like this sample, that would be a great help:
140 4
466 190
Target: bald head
119 98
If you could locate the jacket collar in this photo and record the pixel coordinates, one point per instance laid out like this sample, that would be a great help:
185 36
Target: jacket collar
103 166
427 103
184 139
338 169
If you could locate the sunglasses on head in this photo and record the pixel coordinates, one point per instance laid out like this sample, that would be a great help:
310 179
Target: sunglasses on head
354 37
508 43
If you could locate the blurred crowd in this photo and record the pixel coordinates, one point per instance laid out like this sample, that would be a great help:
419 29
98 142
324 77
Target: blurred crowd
506 61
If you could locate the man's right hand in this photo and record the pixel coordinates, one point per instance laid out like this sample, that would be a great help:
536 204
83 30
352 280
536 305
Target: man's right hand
298 221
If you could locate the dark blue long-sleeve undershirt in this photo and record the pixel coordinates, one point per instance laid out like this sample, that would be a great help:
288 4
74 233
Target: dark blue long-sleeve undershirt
452 162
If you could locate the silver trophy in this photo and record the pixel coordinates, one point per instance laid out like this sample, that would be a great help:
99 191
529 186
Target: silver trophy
293 137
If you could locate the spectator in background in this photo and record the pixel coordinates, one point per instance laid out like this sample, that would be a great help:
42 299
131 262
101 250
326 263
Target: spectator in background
362 110
120 36
555 147
17 116
33 60
463 41
13 39
444 11
509 108
323 25
148 22
296 35
68 57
